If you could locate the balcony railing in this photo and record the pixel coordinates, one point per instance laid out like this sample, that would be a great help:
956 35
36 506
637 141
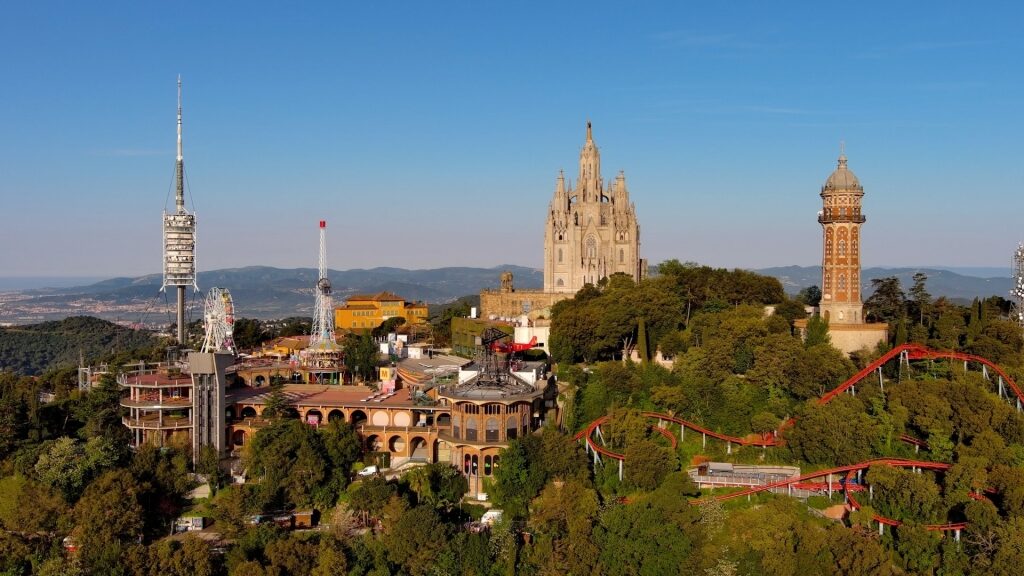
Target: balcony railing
154 423
157 404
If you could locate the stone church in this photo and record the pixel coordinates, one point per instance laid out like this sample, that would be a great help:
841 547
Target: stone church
591 232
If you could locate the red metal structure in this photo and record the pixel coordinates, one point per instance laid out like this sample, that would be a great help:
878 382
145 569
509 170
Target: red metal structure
513 347
905 353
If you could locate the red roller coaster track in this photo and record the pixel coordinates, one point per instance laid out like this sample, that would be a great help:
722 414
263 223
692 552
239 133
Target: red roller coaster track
905 352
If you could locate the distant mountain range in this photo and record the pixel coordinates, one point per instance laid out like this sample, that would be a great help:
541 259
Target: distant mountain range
941 282
265 292
258 292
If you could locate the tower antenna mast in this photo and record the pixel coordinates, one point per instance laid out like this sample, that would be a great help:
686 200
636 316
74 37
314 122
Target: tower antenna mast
179 238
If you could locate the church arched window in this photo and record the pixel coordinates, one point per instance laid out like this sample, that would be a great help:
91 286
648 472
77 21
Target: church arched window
560 282
842 281
591 247
622 255
842 247
559 255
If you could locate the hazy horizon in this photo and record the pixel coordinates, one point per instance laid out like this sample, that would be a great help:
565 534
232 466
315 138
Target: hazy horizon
16 283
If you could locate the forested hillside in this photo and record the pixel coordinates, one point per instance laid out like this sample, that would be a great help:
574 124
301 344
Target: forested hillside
35 348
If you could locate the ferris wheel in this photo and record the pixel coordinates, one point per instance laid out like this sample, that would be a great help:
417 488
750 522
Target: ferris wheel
219 321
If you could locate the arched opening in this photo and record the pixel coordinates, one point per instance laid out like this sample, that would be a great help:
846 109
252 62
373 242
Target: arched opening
559 255
402 419
229 414
374 443
471 429
238 438
248 412
457 425
475 469
467 463
396 445
335 415
296 377
442 453
560 282
622 255
491 433
444 419
418 449
358 418
259 381
314 417
290 412
511 428
380 418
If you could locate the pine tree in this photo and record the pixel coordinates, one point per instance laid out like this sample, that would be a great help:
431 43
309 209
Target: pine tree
643 346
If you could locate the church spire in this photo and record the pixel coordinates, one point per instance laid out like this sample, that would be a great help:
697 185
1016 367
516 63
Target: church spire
589 182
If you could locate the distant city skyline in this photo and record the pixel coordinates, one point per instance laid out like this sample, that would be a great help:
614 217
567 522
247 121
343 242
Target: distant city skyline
431 136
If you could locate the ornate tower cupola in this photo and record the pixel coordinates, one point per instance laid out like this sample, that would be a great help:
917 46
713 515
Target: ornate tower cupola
841 219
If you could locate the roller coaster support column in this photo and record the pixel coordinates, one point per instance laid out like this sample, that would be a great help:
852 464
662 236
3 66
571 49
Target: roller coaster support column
956 535
704 440
830 487
728 448
881 529
682 433
904 359
984 371
620 470
881 380
1002 389
871 492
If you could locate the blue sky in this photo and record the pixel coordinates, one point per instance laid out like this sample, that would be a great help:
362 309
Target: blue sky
430 134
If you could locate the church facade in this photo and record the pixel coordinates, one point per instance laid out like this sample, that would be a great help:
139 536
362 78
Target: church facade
592 230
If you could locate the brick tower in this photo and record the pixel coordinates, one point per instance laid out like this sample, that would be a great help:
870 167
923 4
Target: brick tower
841 219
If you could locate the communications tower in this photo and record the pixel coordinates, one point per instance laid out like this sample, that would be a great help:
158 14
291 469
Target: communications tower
322 337
1018 284
179 238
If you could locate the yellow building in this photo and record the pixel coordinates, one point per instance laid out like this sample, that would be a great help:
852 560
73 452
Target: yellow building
367 311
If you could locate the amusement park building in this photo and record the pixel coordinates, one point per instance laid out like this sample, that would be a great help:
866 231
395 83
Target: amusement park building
367 311
466 424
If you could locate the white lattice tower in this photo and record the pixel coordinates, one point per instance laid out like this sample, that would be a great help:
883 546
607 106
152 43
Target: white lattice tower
1017 292
322 337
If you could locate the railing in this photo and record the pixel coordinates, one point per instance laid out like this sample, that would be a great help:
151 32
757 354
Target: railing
156 404
156 424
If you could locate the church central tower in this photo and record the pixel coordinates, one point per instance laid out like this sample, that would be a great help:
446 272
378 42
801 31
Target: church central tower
841 219
591 231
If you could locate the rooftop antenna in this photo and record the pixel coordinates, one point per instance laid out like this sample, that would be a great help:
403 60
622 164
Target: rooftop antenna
1017 292
179 238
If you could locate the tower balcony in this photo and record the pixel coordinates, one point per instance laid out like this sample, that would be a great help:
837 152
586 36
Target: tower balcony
836 219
